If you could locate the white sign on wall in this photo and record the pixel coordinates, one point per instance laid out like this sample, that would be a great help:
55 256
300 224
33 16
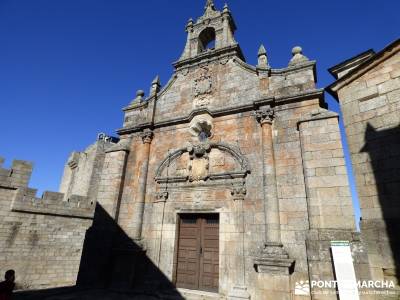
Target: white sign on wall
344 269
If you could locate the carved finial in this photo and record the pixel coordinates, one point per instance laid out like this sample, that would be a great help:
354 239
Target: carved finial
226 9
262 57
298 56
209 5
156 80
155 86
139 96
261 50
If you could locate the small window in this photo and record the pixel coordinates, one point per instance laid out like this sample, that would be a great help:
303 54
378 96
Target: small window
207 39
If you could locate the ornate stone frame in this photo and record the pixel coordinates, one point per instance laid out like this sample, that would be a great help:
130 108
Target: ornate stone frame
235 153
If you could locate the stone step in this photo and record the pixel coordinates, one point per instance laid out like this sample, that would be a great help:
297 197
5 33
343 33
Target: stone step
199 295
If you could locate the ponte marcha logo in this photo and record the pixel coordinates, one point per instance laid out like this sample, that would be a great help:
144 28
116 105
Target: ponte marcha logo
302 288
367 287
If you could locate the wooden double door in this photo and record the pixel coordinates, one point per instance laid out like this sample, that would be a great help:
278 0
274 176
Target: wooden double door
198 252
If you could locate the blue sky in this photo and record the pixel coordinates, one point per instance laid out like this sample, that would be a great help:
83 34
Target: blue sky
68 67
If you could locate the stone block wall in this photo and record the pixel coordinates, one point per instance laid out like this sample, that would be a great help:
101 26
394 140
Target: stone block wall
371 106
40 238
368 90
329 199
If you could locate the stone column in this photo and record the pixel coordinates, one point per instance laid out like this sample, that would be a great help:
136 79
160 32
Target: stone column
142 155
272 231
273 257
239 290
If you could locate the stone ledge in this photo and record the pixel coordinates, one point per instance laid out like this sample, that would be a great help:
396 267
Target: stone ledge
274 260
279 100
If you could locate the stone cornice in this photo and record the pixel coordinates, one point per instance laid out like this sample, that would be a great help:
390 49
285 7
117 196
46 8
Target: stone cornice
363 68
209 56
123 145
294 68
276 101
319 114
317 93
136 106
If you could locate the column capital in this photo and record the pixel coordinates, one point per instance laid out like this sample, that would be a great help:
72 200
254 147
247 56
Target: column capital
147 136
161 196
238 192
265 115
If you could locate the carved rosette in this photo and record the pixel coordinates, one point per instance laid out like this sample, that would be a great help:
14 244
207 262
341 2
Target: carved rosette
265 115
147 136
238 192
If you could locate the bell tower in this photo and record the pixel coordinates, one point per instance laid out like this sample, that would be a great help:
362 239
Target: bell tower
211 34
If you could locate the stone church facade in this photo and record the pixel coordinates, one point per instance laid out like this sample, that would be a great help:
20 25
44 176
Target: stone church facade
229 180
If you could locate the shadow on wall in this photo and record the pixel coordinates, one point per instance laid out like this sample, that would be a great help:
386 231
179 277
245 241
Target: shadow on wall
383 147
112 266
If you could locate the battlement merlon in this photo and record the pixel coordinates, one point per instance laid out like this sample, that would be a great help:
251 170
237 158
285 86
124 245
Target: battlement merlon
17 176
52 203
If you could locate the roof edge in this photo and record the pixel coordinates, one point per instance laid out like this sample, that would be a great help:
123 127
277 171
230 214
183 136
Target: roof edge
361 69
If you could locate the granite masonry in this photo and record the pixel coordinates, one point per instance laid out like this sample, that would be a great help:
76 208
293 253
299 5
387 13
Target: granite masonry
367 87
229 182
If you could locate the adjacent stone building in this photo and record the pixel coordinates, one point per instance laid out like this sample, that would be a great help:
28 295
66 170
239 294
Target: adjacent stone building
229 182
367 87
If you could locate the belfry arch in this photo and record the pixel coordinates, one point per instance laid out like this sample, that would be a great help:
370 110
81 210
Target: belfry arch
207 39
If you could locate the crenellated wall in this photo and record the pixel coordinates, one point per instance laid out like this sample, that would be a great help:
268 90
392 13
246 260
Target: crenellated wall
42 238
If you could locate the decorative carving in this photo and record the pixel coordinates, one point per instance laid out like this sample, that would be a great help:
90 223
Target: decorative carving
273 259
238 192
161 196
224 60
147 136
201 123
265 115
203 85
199 162
202 88
199 150
218 160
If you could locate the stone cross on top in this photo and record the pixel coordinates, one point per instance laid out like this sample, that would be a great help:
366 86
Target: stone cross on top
209 5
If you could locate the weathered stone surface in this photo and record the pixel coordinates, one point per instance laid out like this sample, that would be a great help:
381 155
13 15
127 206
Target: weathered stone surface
253 144
369 99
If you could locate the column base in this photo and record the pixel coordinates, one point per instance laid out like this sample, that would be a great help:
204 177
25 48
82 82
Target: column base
238 292
273 259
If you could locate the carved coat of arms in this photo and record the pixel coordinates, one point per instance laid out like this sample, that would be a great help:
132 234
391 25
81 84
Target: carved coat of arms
202 88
